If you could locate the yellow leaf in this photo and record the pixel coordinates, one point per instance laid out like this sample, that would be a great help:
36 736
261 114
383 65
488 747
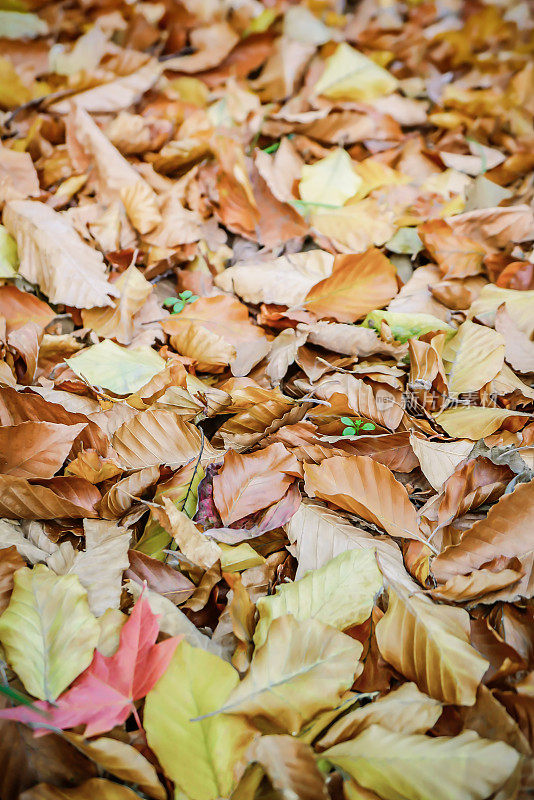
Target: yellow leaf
415 767
429 644
518 304
115 368
349 75
330 181
238 557
198 754
9 259
356 226
303 668
47 631
475 422
329 594
473 357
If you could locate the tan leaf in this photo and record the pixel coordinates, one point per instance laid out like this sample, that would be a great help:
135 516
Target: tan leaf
464 588
36 449
457 255
100 566
121 497
248 483
439 460
290 766
350 395
18 176
192 543
496 227
517 303
358 284
121 760
355 227
53 256
211 330
284 351
96 787
115 95
429 644
519 347
211 44
350 340
10 562
321 534
117 322
474 422
160 437
284 281
473 357
463 767
363 486
303 668
47 499
405 710
505 531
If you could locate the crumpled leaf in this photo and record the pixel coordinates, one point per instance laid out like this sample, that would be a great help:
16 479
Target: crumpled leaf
47 631
53 256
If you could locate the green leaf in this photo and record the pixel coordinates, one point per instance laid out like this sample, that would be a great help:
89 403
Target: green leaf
330 594
169 301
346 420
349 431
19 25
9 258
179 306
193 298
47 630
199 755
407 326
115 368
368 426
186 295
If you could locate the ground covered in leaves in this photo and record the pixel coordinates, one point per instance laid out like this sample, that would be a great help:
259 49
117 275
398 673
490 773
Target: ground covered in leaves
266 400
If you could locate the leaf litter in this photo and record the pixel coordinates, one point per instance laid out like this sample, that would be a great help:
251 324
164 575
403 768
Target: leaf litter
266 400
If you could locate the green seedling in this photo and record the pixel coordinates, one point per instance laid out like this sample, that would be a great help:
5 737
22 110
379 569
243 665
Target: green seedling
354 426
179 303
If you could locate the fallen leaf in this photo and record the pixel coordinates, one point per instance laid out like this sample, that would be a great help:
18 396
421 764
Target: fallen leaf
463 767
358 284
429 644
364 487
290 766
473 357
107 790
54 257
116 368
36 449
47 630
249 483
349 75
328 594
199 754
330 181
10 562
439 460
47 499
297 657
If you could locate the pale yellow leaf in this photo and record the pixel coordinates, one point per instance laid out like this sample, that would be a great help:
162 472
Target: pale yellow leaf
349 75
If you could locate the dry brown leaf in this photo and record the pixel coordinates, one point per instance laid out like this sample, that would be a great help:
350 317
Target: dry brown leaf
99 787
47 499
364 487
122 495
211 44
159 437
36 449
117 322
358 284
519 349
429 644
473 357
457 256
291 767
495 226
192 543
10 562
53 256
504 532
246 484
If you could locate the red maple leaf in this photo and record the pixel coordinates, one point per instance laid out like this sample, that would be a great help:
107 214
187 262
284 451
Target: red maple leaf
104 694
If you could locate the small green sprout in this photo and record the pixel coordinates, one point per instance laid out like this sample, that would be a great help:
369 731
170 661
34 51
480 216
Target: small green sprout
354 426
178 303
